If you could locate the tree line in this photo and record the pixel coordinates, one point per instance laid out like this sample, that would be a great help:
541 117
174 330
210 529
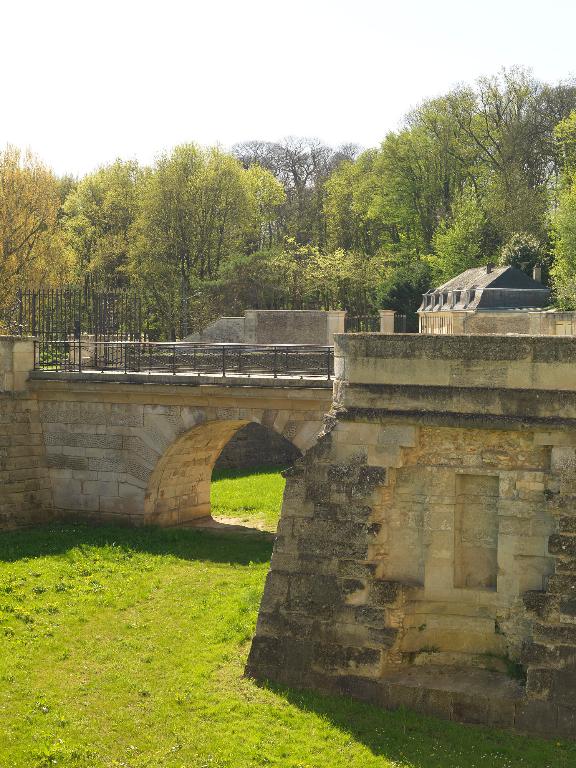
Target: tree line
485 173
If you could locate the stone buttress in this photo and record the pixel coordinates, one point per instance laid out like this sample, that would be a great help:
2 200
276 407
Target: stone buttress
426 553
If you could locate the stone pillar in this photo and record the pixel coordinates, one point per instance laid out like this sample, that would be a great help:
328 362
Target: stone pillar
16 362
88 348
250 323
387 320
335 319
459 322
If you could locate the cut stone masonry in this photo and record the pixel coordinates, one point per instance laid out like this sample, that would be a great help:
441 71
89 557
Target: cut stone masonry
426 554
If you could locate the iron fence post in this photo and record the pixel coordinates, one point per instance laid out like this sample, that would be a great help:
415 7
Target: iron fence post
328 364
174 360
275 362
20 311
80 355
224 361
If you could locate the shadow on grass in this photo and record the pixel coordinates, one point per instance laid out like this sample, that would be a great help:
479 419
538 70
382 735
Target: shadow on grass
418 741
185 544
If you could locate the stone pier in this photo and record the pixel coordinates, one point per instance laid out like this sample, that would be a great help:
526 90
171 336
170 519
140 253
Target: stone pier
426 553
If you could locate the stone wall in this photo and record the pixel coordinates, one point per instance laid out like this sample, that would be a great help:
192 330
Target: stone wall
533 323
121 449
229 330
285 326
256 446
25 492
271 326
426 552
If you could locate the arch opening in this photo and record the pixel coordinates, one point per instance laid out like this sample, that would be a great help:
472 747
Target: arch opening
179 488
247 484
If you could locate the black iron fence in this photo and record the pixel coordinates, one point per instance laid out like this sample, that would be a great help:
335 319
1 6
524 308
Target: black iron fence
290 360
399 323
371 323
66 313
362 323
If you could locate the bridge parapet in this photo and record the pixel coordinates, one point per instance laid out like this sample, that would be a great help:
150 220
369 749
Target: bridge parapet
16 362
508 362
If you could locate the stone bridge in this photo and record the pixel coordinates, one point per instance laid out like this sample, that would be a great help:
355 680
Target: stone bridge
132 448
426 552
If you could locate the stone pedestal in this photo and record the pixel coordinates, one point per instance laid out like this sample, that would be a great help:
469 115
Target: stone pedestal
16 362
387 320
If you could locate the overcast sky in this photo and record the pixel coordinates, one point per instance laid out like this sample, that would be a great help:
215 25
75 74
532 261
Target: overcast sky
86 81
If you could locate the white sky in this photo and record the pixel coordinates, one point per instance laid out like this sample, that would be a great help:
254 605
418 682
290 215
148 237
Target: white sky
86 81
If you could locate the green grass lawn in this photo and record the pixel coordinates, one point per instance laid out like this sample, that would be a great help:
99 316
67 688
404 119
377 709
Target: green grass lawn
125 648
252 496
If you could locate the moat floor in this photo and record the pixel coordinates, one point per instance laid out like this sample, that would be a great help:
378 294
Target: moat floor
124 647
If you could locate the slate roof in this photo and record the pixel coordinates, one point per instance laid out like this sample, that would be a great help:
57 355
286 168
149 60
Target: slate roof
499 277
487 288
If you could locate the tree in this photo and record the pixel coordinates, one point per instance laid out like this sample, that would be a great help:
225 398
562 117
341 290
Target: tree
506 139
565 134
302 165
351 220
30 254
268 196
564 235
523 252
402 289
463 241
99 213
197 208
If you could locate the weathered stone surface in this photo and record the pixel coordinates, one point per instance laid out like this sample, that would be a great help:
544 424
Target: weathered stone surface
559 544
445 503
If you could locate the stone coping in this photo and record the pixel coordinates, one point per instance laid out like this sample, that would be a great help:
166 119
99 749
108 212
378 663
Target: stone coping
496 362
182 379
545 349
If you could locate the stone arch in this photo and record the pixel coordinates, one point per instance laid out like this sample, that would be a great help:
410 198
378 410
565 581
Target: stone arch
255 445
178 490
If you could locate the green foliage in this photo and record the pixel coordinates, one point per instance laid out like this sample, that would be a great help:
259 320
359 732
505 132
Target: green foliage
462 241
565 135
403 287
197 210
98 216
564 233
467 173
292 276
523 251
126 647
295 224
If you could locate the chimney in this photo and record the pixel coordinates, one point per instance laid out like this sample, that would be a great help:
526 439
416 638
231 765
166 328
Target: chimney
537 273
489 268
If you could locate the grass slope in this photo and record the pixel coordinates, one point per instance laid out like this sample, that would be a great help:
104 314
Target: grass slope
253 496
125 648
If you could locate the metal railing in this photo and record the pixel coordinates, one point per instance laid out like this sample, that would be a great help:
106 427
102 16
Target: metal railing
399 323
362 323
61 313
292 360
